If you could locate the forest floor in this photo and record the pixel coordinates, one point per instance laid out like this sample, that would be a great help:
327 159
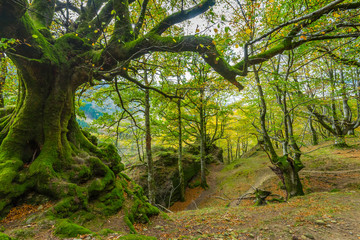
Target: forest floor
330 209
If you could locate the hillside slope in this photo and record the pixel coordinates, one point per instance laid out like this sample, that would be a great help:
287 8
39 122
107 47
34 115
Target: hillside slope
329 210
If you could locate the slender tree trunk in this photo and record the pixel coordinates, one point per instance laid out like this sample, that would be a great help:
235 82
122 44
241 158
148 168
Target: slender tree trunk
228 150
237 155
138 149
244 146
180 164
3 71
314 135
150 165
202 141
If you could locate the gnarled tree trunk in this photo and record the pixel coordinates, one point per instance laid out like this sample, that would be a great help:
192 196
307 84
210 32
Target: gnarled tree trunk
43 150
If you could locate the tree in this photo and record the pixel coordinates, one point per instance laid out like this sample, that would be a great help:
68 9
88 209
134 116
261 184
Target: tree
287 167
3 71
43 145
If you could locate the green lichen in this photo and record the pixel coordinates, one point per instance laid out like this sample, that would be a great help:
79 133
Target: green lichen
65 228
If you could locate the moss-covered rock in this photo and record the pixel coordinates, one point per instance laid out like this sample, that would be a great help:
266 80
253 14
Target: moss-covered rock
166 173
111 157
65 228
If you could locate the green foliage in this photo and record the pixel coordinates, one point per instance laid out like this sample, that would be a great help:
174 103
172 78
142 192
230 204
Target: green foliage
6 43
3 236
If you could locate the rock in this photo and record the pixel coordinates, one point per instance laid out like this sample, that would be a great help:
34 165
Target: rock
309 236
166 174
320 222
251 235
30 219
159 227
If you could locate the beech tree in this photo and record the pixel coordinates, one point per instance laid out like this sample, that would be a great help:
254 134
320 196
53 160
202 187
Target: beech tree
61 45
3 71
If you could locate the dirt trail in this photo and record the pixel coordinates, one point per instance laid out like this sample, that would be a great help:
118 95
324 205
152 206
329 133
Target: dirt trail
331 172
211 179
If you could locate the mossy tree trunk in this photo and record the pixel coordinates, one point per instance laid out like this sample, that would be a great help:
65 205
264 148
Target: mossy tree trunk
286 168
150 164
42 147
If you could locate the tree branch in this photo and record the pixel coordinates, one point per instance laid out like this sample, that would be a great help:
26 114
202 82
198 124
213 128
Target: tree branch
61 5
316 13
155 43
140 21
182 16
133 80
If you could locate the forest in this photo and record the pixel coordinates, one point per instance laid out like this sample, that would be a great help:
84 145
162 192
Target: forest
202 119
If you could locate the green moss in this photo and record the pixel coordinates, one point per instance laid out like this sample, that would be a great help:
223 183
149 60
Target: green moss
100 184
65 228
65 207
83 216
129 224
105 232
137 237
9 172
80 174
141 211
125 176
93 139
72 43
111 157
3 236
111 203
23 233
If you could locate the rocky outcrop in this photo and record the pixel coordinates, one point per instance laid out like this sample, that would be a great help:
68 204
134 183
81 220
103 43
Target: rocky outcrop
166 174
